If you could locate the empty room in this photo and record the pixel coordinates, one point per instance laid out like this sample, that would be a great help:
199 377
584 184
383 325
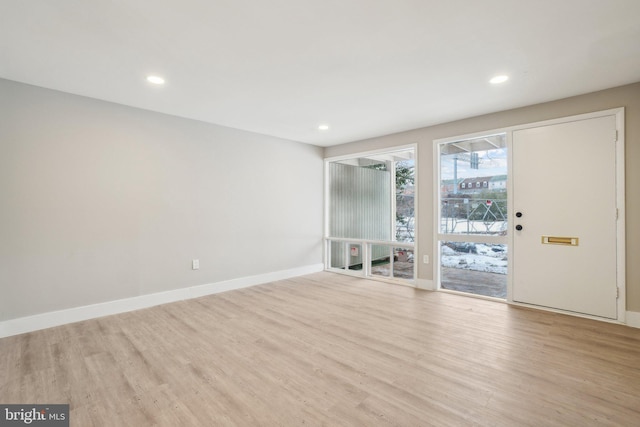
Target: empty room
286 213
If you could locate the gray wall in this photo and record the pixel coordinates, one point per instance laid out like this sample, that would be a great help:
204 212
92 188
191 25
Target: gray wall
100 202
624 96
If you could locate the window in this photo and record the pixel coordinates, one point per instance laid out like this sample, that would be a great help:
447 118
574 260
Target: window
370 222
471 227
463 185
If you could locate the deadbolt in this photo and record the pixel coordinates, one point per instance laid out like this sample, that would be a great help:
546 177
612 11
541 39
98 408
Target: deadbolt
518 227
519 214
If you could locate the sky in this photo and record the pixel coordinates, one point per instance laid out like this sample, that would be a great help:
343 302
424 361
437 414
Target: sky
491 162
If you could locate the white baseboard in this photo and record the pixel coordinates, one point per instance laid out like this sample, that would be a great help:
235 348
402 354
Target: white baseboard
632 318
428 285
55 318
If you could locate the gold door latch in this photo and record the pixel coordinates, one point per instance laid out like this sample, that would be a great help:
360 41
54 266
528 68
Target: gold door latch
555 240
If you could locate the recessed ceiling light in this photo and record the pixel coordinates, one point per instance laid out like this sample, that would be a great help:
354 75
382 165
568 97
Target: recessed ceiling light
323 127
499 79
156 80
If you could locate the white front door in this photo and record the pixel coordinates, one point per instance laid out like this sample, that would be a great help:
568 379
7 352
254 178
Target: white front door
564 216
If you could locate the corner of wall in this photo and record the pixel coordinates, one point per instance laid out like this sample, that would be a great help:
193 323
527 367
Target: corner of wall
632 318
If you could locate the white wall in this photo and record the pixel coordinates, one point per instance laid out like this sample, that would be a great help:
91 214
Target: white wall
100 202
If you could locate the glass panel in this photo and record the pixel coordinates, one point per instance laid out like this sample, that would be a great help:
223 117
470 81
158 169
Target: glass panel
392 262
405 199
403 263
359 201
337 255
473 202
475 268
346 256
372 197
473 186
381 260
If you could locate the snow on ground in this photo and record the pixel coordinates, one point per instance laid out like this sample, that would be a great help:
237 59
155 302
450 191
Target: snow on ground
489 258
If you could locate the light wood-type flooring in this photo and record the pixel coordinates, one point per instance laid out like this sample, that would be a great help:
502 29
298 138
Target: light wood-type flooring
328 349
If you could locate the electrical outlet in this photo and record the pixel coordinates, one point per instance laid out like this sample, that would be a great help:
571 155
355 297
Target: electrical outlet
195 264
425 259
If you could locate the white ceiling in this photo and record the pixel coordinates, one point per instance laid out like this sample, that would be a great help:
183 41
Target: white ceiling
281 67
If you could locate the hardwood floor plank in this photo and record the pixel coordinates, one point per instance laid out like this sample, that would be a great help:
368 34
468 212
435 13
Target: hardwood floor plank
328 349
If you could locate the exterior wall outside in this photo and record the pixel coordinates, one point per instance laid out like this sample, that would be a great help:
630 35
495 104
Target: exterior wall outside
360 208
102 202
627 96
473 185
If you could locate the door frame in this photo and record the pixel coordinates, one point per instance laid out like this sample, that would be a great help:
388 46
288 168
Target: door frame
618 139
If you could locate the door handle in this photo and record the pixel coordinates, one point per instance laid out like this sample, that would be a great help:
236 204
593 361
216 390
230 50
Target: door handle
518 227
